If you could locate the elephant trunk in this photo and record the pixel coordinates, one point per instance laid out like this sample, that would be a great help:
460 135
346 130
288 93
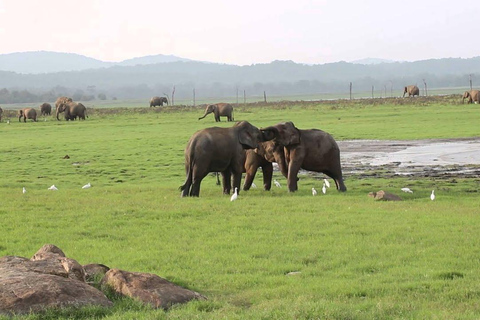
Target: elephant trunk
206 113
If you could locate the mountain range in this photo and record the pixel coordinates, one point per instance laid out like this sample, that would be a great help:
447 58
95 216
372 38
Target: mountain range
143 77
34 62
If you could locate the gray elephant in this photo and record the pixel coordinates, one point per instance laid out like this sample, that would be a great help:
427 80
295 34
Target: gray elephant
1 113
158 101
45 109
219 150
312 150
219 110
60 101
411 90
72 110
473 96
27 113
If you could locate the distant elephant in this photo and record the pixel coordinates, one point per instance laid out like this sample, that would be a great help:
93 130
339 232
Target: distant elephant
60 101
158 101
312 150
411 90
472 96
219 150
219 110
27 113
1 113
263 156
73 110
45 109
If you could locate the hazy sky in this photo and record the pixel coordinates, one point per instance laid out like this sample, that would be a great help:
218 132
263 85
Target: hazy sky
244 32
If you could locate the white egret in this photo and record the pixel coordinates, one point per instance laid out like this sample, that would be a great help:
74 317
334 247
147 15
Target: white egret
24 190
234 195
326 183
406 190
432 196
88 185
314 192
254 185
53 187
277 184
8 121
324 189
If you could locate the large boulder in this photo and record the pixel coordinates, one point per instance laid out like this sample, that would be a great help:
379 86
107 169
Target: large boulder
148 288
94 270
55 255
31 286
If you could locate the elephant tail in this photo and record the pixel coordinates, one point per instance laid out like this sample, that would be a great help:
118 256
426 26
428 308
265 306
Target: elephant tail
185 188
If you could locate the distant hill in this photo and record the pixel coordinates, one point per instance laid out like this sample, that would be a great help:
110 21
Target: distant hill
35 62
141 80
372 61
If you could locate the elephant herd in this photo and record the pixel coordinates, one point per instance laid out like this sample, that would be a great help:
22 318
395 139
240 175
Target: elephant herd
72 110
244 148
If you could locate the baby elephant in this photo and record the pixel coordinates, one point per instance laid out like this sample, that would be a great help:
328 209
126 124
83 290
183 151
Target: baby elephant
27 113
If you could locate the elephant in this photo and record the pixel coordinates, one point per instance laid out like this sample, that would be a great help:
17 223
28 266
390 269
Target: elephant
1 113
27 113
219 150
312 150
158 101
219 110
45 109
472 96
73 110
411 90
60 101
263 156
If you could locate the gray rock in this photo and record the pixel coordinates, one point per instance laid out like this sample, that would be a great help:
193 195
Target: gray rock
148 288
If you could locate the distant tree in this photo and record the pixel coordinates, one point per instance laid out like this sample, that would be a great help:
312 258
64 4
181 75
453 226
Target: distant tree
102 96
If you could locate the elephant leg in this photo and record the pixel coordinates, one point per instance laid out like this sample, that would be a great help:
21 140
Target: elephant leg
250 176
197 178
336 175
226 181
237 180
267 170
292 179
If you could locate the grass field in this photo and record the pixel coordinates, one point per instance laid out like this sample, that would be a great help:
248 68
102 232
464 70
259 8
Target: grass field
356 258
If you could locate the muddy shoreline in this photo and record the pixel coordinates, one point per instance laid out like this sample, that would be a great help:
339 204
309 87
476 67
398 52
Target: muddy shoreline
447 158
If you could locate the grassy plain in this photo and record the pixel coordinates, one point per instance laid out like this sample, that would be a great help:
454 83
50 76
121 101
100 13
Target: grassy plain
356 258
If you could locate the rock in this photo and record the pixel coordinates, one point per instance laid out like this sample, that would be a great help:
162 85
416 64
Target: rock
47 248
385 196
148 288
52 253
31 286
93 270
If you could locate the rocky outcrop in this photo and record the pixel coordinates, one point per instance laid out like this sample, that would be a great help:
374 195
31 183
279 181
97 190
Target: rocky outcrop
148 288
31 286
51 280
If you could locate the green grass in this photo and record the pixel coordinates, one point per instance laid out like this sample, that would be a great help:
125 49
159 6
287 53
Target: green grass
358 259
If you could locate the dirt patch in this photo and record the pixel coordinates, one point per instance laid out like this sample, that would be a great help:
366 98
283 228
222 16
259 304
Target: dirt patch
418 158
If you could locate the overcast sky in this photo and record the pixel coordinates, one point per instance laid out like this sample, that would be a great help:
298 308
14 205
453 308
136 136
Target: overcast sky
244 32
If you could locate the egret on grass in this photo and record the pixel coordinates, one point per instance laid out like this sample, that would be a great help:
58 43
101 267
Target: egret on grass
88 185
432 196
254 185
324 189
53 187
24 190
277 184
406 190
314 192
326 183
234 195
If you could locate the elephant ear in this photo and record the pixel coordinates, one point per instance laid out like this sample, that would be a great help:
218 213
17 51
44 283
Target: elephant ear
291 134
247 135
